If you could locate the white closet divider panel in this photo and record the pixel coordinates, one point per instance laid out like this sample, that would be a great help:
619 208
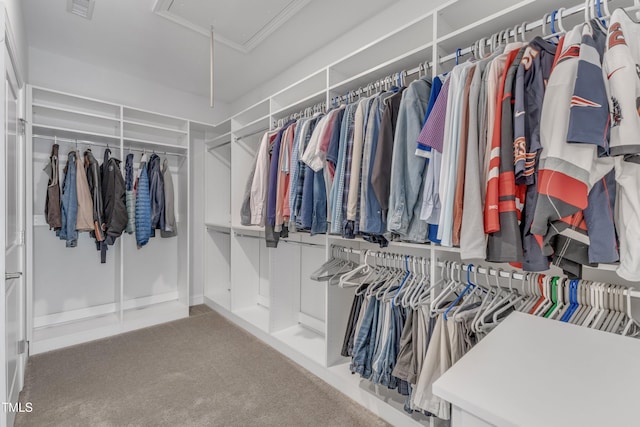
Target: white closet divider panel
245 279
217 263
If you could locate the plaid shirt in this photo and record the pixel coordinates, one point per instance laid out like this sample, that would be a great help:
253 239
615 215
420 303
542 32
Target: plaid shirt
339 181
347 170
299 185
295 169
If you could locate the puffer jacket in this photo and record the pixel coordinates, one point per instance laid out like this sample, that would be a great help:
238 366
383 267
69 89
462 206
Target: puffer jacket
130 195
156 192
143 208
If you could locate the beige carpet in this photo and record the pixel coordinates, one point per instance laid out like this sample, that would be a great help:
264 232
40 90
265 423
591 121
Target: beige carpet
200 371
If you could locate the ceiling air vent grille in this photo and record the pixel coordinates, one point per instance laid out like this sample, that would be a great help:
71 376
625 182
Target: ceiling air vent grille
82 8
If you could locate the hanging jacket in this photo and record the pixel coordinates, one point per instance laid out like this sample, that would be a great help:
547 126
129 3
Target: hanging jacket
52 210
93 179
170 227
69 205
84 222
130 195
143 208
114 199
156 193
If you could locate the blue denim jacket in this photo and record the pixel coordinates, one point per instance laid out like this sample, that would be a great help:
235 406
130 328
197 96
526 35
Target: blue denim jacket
407 169
69 204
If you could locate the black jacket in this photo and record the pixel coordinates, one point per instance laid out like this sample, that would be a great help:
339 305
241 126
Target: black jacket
113 198
156 191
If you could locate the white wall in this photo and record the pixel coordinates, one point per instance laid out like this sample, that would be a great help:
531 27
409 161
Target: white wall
400 13
66 74
16 19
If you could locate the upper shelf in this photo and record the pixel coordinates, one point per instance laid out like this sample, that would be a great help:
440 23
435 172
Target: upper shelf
301 92
66 133
253 128
405 61
218 141
251 114
414 35
70 119
45 98
155 121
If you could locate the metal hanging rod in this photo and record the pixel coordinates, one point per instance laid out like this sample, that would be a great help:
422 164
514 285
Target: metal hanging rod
144 150
295 242
216 230
306 112
424 66
263 130
507 274
528 26
250 236
103 144
73 141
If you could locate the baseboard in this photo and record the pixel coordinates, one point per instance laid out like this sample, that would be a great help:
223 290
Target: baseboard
196 300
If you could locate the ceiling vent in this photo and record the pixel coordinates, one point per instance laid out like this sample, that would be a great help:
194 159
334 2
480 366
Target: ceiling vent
82 8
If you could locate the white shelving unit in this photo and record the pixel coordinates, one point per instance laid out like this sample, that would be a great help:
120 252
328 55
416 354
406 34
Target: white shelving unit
271 294
74 298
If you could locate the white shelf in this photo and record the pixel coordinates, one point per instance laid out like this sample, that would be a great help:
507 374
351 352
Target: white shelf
257 316
75 332
218 141
254 127
159 121
41 106
156 127
298 106
528 363
306 341
406 61
80 104
251 113
150 315
54 131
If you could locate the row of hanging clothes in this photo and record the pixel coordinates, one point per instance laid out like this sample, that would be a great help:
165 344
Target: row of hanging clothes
527 158
406 328
524 154
96 198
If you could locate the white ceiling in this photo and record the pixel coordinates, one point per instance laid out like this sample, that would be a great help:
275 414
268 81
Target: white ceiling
269 37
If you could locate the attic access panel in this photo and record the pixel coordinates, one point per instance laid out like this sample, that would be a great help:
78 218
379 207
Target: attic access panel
240 24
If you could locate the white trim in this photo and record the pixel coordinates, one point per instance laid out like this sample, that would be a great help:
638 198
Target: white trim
12 50
162 8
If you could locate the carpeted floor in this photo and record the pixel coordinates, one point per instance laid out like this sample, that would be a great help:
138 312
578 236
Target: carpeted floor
199 371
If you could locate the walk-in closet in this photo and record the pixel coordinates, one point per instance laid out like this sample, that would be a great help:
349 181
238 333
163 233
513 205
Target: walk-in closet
320 213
